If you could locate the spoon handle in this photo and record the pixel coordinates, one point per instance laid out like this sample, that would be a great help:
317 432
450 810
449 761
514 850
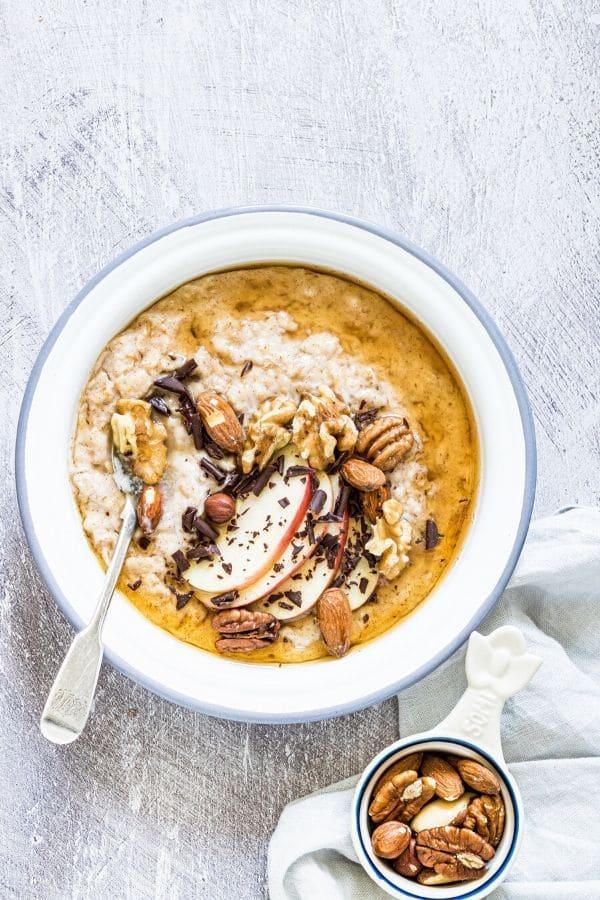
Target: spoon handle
70 699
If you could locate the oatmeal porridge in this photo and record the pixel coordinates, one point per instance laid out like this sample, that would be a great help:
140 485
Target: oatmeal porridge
308 461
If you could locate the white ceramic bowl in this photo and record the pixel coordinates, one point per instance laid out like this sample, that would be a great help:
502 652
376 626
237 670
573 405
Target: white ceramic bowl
379 258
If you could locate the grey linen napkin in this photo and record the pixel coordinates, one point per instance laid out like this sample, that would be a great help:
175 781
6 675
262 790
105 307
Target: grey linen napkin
551 736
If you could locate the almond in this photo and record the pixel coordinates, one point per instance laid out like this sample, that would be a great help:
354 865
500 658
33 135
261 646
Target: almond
478 777
372 502
149 508
448 784
362 475
334 618
220 421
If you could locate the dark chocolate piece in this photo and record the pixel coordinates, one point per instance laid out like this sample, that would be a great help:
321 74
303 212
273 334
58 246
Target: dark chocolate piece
212 469
185 369
261 481
432 535
205 529
317 501
160 406
199 553
144 542
362 585
173 385
135 585
224 599
180 560
279 463
182 599
294 471
187 519
284 502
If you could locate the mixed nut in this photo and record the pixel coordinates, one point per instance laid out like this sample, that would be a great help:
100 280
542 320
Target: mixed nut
437 818
345 532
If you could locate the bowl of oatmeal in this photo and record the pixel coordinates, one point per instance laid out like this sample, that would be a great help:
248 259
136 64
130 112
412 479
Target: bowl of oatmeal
336 452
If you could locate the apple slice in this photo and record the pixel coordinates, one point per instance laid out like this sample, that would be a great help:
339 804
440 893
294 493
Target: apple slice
258 534
362 580
294 555
299 593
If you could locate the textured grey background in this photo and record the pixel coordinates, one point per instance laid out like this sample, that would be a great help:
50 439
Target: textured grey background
470 127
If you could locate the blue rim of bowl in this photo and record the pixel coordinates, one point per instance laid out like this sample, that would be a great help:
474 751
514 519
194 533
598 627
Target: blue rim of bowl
378 874
528 492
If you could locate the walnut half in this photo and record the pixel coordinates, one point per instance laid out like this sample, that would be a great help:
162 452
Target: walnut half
135 434
322 423
267 432
391 540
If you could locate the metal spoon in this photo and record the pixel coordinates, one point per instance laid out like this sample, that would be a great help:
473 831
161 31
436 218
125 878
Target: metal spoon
70 699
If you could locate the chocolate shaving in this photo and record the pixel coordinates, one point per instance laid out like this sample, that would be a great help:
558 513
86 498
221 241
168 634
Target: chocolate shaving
310 531
160 406
261 481
246 367
296 548
317 502
212 449
342 501
227 567
224 599
247 482
365 418
180 561
197 431
212 469
199 553
231 482
187 519
279 463
285 605
182 599
432 535
135 585
284 502
339 581
144 542
329 517
205 529
173 385
185 369
294 471
362 585
294 596
339 462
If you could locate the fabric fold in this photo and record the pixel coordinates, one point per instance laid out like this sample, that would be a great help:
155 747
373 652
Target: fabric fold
550 733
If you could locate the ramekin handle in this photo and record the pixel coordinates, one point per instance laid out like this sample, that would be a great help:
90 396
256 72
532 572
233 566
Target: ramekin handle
497 666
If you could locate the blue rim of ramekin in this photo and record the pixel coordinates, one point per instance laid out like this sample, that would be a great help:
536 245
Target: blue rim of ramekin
528 492
399 746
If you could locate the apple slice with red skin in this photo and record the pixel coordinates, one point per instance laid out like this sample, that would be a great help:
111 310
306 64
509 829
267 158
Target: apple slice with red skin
308 583
258 534
294 555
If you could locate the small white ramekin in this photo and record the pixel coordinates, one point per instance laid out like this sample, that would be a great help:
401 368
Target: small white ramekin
497 667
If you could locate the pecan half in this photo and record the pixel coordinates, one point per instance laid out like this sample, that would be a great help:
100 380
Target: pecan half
486 815
478 777
401 797
408 863
385 441
448 783
220 421
457 854
244 629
